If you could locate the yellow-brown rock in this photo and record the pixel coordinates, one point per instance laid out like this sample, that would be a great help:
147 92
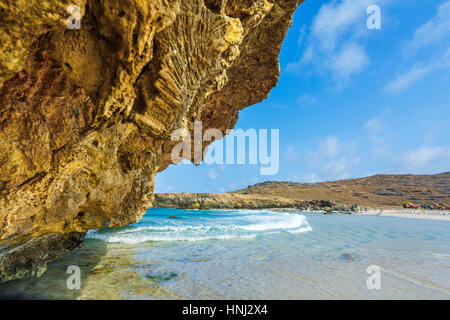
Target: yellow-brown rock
86 114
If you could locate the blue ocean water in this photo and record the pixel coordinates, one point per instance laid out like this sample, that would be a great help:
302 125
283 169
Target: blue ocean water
255 254
196 225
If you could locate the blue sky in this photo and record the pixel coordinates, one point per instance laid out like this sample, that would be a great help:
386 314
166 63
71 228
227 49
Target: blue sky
351 101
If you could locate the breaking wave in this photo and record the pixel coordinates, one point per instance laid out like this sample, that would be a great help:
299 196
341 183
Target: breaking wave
194 225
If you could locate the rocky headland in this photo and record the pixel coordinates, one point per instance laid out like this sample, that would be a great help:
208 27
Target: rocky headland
205 201
352 195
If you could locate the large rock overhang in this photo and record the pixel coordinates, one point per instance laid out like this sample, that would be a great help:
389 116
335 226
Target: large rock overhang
86 114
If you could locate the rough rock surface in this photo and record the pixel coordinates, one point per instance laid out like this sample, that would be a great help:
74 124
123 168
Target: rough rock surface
231 200
86 114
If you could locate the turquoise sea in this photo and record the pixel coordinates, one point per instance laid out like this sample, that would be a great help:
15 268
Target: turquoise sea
253 254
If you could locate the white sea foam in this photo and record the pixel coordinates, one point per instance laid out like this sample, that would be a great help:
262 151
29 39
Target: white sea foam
146 238
242 224
290 221
300 230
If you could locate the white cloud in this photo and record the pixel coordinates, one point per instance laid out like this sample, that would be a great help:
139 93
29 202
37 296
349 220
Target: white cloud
376 129
426 158
329 146
407 79
292 154
432 32
417 73
306 100
332 160
212 174
378 146
374 125
310 178
335 19
429 38
332 46
340 168
350 60
302 35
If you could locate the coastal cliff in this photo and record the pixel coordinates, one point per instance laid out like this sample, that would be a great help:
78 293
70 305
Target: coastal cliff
379 191
232 200
87 113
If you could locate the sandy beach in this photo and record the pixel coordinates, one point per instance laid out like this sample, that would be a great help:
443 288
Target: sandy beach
409 213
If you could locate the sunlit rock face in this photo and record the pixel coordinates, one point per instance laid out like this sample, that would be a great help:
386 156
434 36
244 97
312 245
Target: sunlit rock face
86 114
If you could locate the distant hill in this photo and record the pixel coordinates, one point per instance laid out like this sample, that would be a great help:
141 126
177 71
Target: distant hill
374 191
377 190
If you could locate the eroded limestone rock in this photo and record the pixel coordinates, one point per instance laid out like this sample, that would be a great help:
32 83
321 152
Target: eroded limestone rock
86 115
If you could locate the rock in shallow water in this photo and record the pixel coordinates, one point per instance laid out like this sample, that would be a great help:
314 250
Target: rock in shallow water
161 276
30 258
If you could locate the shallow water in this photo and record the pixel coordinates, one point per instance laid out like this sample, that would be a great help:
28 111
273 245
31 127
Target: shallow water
250 254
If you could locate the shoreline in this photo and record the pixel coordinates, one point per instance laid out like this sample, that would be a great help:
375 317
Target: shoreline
408 213
441 215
